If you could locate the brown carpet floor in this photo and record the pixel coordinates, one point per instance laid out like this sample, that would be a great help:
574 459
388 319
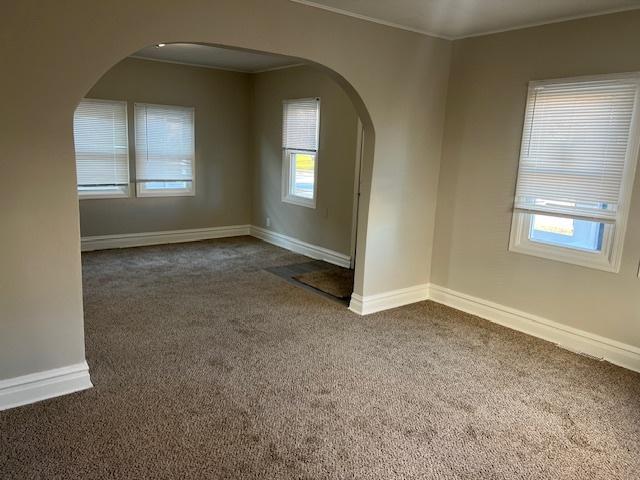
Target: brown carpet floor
206 366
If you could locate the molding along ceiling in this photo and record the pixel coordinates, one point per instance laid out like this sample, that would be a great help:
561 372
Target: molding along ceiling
457 19
215 57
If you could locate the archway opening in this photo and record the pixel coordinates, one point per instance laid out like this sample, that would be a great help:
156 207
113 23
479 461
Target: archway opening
207 141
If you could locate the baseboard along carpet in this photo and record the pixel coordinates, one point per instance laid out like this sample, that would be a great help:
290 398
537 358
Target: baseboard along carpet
207 366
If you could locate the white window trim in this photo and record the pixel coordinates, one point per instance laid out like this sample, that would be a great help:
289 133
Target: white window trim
287 180
141 191
287 197
119 192
610 258
124 191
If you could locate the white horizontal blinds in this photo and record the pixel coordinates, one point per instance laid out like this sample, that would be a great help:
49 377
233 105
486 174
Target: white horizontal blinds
101 143
574 147
164 143
301 124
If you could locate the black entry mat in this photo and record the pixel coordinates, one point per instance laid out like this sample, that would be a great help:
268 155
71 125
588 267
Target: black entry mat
288 272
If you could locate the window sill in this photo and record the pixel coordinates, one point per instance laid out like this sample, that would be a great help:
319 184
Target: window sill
608 260
155 193
165 194
300 201
102 196
580 259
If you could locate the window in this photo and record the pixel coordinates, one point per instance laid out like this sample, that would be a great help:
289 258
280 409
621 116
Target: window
164 150
102 149
300 133
577 164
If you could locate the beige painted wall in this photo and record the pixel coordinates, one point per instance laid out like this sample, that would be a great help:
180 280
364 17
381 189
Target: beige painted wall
484 121
238 152
223 189
56 51
329 224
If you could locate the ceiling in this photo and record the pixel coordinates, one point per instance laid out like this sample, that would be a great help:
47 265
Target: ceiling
454 19
214 57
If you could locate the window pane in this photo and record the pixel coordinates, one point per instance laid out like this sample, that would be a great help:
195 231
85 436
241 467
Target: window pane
101 146
164 145
575 145
166 185
567 232
304 174
301 119
103 191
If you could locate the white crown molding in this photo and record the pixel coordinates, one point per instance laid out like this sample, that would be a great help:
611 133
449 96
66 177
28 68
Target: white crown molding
188 64
569 338
547 22
364 305
460 37
303 248
127 240
275 69
347 13
39 386
214 67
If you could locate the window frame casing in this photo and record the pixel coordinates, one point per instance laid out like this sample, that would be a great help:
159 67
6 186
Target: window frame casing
141 191
609 258
288 179
288 173
123 191
117 192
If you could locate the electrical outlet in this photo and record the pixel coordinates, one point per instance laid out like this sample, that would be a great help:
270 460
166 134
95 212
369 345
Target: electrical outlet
268 222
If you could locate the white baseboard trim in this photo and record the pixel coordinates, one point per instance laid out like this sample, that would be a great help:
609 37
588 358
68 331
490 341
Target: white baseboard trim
42 385
569 338
304 248
384 301
566 337
127 240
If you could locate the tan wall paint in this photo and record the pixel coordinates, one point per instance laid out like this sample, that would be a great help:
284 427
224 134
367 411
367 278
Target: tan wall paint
223 188
485 115
329 224
56 51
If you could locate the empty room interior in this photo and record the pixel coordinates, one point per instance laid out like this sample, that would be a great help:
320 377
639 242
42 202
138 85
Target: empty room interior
287 239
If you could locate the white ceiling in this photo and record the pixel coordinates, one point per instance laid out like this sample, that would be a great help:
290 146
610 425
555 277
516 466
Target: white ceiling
214 57
463 18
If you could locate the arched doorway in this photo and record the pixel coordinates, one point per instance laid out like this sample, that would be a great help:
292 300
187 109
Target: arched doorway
179 80
366 142
399 76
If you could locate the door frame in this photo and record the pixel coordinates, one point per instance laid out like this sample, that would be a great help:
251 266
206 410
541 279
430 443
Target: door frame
356 191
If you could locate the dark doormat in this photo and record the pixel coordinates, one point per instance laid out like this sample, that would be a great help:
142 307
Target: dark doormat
336 281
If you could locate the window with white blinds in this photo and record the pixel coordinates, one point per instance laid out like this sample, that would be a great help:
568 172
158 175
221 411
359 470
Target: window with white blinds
301 124
300 138
165 153
102 149
577 161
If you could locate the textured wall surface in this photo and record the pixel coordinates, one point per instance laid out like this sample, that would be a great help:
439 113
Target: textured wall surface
329 224
221 101
485 114
56 51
